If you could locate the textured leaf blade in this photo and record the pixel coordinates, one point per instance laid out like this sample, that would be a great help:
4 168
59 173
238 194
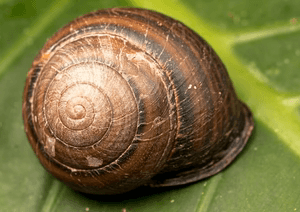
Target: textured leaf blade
264 177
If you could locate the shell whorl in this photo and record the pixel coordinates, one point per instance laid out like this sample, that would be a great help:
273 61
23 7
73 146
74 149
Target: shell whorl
95 101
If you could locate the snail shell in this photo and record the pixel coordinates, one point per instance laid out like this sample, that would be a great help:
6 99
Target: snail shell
121 98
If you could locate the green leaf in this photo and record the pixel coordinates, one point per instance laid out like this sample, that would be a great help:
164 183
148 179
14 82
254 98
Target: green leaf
259 42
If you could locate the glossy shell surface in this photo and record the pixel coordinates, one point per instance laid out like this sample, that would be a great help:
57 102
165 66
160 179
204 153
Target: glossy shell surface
120 98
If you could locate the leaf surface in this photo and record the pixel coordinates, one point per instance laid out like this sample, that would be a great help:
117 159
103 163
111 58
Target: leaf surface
259 42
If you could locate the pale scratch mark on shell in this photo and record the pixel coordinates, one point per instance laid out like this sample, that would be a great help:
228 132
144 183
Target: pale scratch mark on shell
49 146
92 48
52 67
93 161
120 56
167 40
146 33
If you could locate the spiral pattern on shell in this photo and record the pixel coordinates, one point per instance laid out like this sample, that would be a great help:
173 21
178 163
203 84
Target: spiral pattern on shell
120 98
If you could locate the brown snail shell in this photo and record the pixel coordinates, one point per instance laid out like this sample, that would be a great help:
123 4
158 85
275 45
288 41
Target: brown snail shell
121 98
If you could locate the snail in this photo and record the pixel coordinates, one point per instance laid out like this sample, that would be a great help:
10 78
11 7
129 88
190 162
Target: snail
125 97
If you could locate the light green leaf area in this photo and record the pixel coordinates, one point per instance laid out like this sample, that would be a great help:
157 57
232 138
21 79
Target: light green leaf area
259 42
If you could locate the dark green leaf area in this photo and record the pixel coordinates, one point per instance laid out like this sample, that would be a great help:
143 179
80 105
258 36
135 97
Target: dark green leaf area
22 178
255 181
16 17
143 199
276 60
238 15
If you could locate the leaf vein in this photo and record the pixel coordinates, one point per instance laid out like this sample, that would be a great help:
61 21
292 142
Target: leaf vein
208 195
